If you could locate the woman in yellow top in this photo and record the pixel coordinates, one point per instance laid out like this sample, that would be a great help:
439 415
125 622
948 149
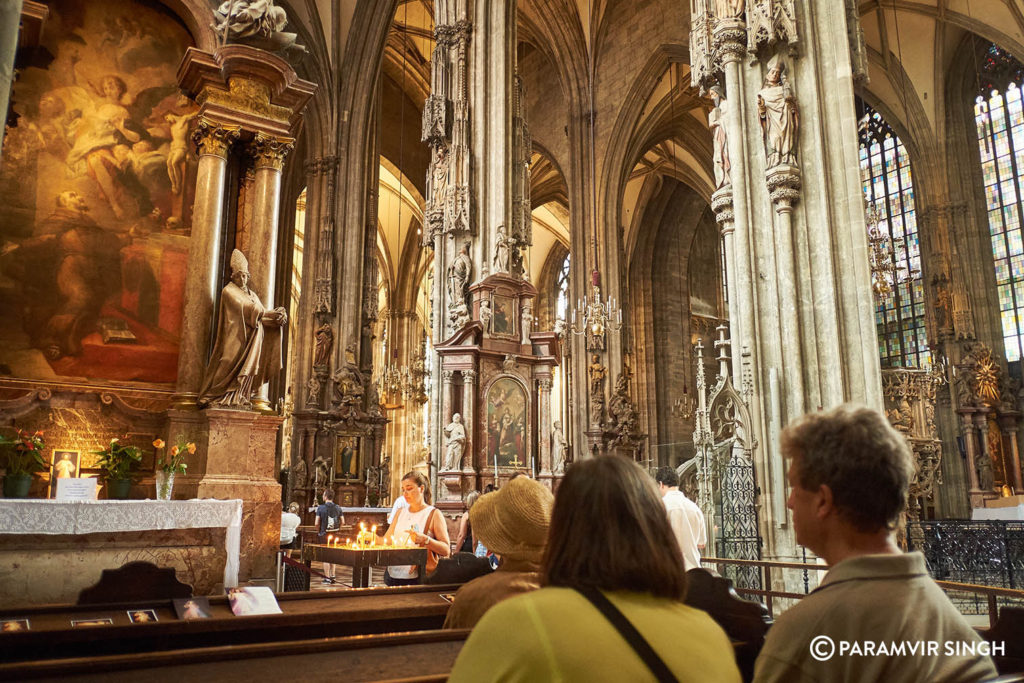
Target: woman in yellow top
609 532
421 524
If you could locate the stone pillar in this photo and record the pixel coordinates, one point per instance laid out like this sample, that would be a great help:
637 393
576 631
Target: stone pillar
979 494
1008 422
240 464
10 19
470 419
967 422
202 276
544 429
784 188
269 153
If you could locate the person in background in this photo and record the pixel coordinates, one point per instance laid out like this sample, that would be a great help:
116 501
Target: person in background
465 542
609 540
513 523
328 518
290 522
421 524
684 515
849 474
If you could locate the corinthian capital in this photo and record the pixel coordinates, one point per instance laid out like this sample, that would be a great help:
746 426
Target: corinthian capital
270 151
212 138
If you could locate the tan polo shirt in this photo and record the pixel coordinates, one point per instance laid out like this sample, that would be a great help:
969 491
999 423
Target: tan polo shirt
882 618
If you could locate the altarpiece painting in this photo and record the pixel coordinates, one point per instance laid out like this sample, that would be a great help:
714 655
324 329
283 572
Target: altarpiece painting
506 423
97 187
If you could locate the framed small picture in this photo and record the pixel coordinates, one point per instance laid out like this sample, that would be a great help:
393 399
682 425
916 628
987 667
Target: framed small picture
503 322
252 600
142 616
192 608
347 459
104 621
9 625
65 466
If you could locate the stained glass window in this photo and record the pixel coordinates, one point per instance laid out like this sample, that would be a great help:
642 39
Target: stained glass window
1000 125
888 185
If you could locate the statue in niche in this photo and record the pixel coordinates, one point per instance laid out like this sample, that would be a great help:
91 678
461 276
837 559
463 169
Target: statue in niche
454 444
459 273
729 9
439 188
502 252
312 391
527 321
485 315
321 471
247 350
777 110
558 448
324 344
716 120
597 374
986 479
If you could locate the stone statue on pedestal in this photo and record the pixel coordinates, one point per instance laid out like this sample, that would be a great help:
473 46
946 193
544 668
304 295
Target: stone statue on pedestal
527 322
777 110
455 443
485 315
502 252
247 350
459 273
324 344
716 121
729 9
558 448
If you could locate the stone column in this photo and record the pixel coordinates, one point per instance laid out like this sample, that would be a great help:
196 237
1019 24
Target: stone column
10 19
202 279
1008 421
544 428
784 188
967 422
269 153
470 419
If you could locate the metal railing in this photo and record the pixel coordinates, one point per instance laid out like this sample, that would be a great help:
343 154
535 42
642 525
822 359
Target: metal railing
992 596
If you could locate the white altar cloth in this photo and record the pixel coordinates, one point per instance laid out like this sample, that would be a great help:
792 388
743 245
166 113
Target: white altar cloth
37 516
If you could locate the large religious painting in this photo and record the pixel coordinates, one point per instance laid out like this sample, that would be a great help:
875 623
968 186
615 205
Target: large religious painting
97 188
506 424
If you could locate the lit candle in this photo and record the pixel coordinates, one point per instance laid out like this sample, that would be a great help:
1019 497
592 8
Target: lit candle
329 537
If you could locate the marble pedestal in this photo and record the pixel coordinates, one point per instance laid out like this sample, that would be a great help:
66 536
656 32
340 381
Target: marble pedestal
239 463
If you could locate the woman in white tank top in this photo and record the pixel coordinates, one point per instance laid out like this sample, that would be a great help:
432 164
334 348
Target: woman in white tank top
420 524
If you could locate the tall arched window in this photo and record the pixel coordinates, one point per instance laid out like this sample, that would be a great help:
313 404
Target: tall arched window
889 186
1000 124
562 286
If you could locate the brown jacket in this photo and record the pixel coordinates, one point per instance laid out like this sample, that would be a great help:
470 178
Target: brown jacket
482 593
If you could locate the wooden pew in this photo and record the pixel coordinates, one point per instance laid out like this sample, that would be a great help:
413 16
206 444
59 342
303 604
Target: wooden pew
305 615
745 622
426 655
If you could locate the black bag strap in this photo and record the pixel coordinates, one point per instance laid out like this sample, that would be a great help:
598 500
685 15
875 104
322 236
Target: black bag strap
629 632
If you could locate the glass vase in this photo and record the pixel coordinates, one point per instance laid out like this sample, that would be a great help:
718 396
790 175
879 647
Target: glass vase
164 485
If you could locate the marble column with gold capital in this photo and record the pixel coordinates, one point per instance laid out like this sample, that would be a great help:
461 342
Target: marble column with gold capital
212 142
268 152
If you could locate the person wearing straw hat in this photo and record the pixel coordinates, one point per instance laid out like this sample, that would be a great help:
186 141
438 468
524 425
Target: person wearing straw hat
513 523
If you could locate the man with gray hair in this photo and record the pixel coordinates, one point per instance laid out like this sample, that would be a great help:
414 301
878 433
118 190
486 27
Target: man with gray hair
877 615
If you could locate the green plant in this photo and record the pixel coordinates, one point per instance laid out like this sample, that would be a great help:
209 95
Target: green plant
118 460
24 453
174 460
